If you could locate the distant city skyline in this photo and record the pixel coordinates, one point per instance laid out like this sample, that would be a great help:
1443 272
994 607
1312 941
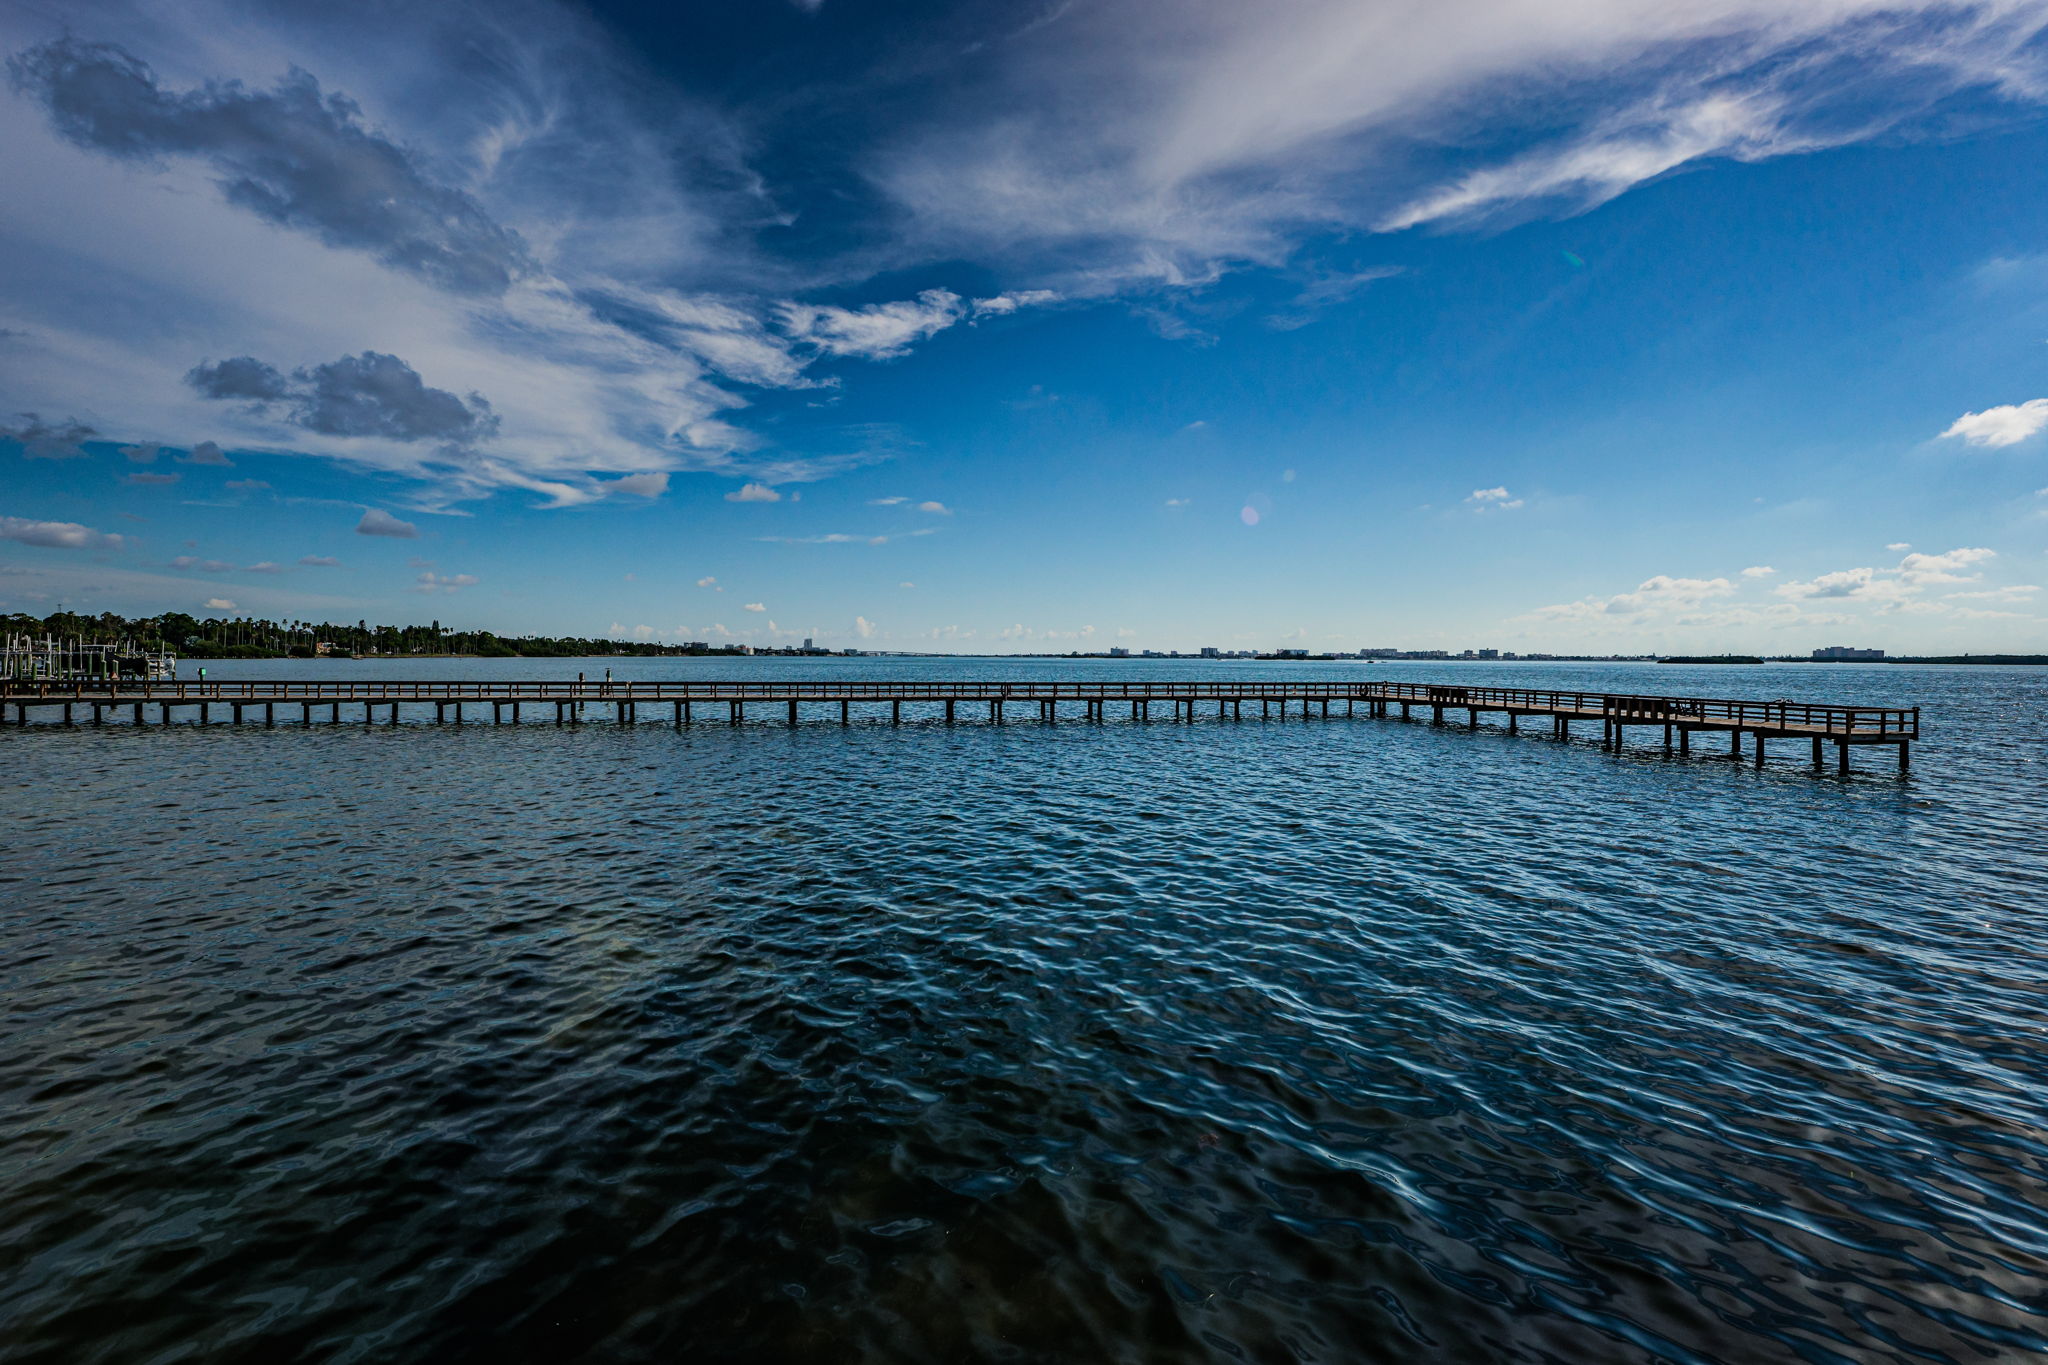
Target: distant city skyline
976 327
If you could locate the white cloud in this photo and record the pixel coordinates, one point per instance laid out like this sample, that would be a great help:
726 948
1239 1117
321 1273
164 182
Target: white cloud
879 331
706 581
58 535
377 522
1659 594
753 492
2006 425
320 561
1177 502
432 582
1758 571
220 604
906 585
754 606
937 509
1132 141
863 627
1488 498
649 485
1891 589
266 566
887 502
1941 568
189 563
1898 545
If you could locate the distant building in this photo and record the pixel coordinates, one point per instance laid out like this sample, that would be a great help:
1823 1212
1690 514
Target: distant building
808 643
1844 654
1489 654
1209 652
1119 654
1290 654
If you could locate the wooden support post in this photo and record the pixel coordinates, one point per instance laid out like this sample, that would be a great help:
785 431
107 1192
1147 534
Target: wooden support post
1905 757
949 712
1735 745
96 717
1326 708
138 713
686 713
1471 718
440 712
1404 711
236 707
1667 736
1512 717
995 712
792 715
895 713
846 712
1684 739
458 713
1842 758
305 713
738 712
269 714
1438 714
1819 763
1759 748
1265 710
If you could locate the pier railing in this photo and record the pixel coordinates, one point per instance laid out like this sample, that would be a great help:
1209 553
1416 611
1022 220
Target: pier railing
1712 712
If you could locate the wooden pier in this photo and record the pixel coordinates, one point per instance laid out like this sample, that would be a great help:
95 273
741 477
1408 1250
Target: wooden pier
1677 719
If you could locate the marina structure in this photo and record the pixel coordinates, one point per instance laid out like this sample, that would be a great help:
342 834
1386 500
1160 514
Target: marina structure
25 658
1678 719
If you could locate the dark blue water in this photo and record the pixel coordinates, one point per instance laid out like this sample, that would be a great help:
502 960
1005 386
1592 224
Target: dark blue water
1306 1041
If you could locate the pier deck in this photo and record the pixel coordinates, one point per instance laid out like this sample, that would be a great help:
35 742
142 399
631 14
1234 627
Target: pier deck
1678 718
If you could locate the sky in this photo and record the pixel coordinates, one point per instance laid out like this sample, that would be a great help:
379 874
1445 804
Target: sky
1575 326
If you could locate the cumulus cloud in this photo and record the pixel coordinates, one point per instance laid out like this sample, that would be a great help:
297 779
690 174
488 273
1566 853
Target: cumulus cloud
432 582
864 628
1177 502
755 606
887 502
220 604
1758 571
359 395
1661 593
753 492
42 440
1898 545
1892 589
57 535
706 581
1485 499
377 522
207 452
937 509
295 156
143 453
2006 425
649 485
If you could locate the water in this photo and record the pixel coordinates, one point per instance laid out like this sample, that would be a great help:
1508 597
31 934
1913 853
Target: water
1346 1041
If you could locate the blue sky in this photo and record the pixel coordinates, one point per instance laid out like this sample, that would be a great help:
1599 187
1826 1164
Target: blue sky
1575 326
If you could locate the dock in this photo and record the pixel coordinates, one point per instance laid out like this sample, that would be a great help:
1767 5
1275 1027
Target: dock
27 703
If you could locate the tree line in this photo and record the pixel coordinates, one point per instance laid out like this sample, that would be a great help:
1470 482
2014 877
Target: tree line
241 637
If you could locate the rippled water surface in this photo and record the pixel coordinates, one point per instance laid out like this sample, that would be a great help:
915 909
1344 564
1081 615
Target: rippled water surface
1306 1041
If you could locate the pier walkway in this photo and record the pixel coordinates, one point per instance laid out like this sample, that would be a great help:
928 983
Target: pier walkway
1678 719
